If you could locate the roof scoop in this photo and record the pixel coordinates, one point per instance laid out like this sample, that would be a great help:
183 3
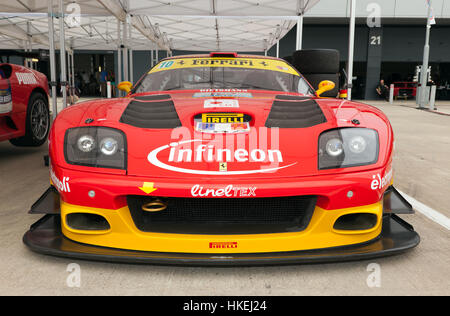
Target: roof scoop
223 54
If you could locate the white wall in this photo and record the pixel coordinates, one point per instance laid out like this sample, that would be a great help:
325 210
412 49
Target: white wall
389 8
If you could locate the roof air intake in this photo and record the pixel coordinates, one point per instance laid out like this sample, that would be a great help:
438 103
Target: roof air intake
223 54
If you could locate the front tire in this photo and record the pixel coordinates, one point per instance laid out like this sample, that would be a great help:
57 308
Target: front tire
37 124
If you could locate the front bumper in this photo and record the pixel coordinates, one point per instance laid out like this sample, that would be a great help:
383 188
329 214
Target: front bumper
397 236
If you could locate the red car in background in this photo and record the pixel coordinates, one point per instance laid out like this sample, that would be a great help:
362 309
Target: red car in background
24 110
405 89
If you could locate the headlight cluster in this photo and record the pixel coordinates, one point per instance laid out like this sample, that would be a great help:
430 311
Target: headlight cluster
101 147
348 147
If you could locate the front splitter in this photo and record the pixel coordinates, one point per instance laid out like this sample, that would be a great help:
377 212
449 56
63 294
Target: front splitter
45 237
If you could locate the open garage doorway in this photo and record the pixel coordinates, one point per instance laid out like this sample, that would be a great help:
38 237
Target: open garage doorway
395 72
92 71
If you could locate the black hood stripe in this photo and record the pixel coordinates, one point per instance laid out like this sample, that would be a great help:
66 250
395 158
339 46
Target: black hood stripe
157 97
292 97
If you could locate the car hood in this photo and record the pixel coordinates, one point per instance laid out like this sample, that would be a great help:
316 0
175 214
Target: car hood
170 147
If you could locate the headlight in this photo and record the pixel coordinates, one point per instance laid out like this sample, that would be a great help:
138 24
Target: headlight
86 143
109 146
101 147
348 147
357 145
334 147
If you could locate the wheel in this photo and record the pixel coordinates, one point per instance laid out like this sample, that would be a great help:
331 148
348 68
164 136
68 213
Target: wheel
315 79
316 61
37 124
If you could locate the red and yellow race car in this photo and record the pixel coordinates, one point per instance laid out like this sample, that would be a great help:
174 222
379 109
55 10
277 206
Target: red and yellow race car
221 159
24 110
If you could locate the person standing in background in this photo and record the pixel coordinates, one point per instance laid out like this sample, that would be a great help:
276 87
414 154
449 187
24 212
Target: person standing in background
103 79
383 90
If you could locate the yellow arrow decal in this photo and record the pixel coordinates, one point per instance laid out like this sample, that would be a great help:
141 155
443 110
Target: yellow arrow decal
148 187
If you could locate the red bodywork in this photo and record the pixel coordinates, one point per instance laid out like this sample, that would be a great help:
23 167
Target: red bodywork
299 173
207 176
20 82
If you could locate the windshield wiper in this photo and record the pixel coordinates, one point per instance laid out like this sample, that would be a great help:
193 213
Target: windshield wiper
174 88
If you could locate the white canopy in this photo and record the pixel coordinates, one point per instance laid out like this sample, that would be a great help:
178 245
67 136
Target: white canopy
128 25
197 25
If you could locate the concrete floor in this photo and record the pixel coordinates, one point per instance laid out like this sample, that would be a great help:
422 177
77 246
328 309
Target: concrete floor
422 170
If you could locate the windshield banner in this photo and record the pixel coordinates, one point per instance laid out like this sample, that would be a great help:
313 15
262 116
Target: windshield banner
248 63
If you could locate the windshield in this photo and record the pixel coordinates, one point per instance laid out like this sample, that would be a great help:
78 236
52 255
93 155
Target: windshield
220 73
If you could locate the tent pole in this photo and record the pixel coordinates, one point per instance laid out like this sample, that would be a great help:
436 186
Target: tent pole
152 58
119 57
125 50
351 48
70 71
51 38
130 53
62 50
28 47
426 57
131 56
299 43
73 71
278 48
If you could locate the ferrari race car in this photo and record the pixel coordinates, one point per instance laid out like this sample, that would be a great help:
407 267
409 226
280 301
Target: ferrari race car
221 159
24 111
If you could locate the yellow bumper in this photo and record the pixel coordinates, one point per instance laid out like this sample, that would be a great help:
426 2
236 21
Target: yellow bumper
319 234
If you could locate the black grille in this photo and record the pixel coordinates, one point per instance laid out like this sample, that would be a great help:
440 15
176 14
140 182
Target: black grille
295 113
156 112
227 216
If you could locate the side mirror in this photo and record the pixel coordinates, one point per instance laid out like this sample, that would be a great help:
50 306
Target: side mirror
325 86
125 86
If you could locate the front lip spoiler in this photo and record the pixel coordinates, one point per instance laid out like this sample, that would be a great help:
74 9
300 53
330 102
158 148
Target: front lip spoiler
45 237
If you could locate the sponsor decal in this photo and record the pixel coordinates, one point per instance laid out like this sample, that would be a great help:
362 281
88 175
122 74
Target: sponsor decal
223 62
379 182
228 191
61 186
26 78
221 103
221 155
222 122
205 127
223 90
223 166
222 95
223 245
223 118
178 153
